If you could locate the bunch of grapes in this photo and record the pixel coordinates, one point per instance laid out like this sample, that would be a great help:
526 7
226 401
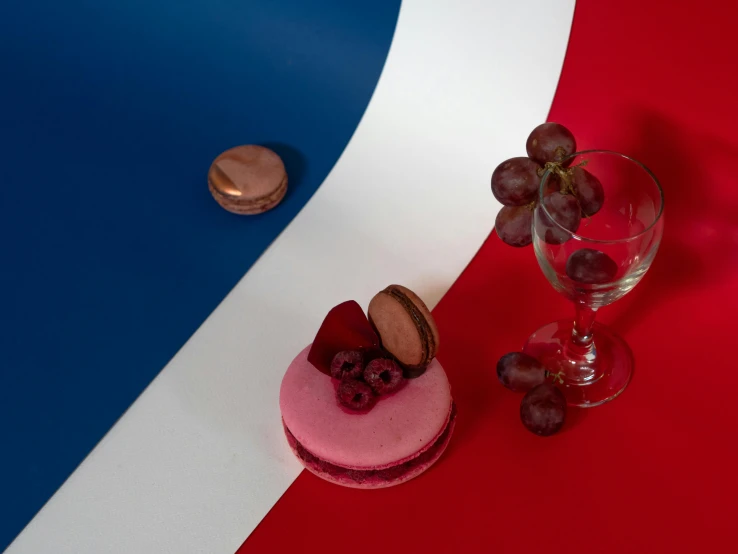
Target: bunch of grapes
571 192
543 408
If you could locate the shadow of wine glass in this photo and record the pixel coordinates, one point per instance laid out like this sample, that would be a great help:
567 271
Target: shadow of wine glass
700 242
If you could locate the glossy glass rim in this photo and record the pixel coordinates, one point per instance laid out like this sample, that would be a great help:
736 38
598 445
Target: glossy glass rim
600 241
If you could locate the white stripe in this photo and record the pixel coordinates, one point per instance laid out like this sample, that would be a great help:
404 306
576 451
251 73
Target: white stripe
199 459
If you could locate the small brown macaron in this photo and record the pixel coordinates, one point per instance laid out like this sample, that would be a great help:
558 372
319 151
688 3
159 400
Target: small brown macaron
405 327
247 179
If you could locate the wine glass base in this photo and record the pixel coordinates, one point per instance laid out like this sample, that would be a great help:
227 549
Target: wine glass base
588 381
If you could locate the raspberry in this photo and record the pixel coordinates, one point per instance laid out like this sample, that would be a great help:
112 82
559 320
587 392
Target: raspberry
383 375
348 364
355 395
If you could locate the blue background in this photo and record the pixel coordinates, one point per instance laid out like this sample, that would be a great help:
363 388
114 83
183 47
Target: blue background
112 252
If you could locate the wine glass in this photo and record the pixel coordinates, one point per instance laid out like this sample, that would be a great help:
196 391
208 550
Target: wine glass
596 229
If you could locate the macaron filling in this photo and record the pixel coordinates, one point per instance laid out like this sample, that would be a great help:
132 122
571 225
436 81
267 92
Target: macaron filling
375 477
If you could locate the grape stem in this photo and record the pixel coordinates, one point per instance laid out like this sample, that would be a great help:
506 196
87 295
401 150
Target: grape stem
567 187
556 376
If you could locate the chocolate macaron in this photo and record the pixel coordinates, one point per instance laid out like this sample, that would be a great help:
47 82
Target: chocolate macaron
248 179
405 327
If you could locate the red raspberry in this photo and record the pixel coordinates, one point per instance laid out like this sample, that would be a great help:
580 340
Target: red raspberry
383 375
355 395
348 364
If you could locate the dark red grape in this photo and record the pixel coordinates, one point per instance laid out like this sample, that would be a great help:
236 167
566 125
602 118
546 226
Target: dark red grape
588 189
513 225
543 410
550 142
520 372
564 210
515 181
591 267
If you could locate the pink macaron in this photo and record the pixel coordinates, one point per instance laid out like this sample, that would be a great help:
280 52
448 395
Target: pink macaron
397 438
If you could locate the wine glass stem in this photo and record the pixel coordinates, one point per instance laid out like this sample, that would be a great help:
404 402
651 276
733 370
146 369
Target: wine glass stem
579 350
581 335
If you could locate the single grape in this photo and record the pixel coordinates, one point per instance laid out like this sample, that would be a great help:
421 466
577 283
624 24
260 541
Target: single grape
515 181
520 372
591 267
564 209
514 225
588 189
550 142
543 410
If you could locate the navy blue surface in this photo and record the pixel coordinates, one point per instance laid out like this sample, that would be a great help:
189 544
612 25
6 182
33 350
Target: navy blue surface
112 252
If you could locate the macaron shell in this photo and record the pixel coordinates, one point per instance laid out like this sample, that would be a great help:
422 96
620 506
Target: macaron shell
427 315
396 329
250 207
377 483
397 428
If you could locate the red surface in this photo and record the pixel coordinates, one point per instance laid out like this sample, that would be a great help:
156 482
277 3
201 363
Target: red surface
654 471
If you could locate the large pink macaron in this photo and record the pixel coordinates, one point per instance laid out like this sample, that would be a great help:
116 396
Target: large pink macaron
398 439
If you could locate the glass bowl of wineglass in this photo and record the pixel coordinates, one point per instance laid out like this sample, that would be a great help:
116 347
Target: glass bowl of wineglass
596 229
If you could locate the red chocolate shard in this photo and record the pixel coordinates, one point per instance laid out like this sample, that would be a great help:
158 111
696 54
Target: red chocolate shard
344 328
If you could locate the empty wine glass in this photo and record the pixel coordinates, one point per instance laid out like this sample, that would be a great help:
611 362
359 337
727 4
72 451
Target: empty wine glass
594 247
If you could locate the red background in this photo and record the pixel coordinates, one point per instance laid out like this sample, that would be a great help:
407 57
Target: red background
656 470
